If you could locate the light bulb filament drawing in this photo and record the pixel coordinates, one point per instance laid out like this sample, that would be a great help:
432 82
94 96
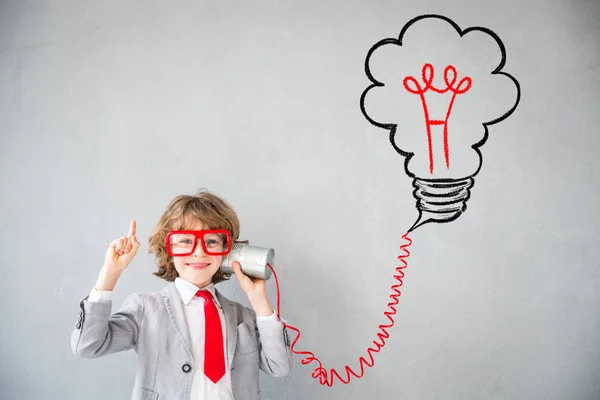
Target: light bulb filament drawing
413 86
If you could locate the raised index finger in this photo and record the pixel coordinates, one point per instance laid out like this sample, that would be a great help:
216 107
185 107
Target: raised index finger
131 228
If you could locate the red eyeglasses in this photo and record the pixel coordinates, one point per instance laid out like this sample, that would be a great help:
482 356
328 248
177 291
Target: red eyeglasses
215 242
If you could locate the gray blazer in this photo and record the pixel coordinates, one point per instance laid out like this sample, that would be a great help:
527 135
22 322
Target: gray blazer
154 325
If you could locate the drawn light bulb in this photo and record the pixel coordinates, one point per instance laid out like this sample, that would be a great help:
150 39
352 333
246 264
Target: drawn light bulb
439 120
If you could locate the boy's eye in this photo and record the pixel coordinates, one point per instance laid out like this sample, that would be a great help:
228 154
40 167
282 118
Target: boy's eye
213 241
182 240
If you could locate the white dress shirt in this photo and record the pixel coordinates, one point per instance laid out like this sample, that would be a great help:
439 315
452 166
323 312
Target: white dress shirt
202 387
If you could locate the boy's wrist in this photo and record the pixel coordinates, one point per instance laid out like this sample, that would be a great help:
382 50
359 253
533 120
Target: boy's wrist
261 305
107 279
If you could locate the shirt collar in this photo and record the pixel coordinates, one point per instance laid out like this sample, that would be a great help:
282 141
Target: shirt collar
187 290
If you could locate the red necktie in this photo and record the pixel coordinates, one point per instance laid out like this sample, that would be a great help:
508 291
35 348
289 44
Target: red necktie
214 357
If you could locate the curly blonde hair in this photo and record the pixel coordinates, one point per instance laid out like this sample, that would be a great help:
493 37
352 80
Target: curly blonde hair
181 213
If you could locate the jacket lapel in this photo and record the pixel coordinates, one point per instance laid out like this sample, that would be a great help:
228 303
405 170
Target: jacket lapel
230 324
174 307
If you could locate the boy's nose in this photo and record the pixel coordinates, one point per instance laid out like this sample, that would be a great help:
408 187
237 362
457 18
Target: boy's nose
198 251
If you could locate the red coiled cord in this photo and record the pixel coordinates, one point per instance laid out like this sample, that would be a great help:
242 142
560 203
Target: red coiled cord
327 378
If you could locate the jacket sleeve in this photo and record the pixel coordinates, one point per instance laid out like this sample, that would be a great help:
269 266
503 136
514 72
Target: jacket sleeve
98 332
275 351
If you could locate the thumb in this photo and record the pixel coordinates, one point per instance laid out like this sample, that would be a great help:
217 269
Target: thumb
237 269
135 245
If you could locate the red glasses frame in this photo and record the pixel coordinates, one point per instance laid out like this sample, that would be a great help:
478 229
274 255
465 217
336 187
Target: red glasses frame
199 235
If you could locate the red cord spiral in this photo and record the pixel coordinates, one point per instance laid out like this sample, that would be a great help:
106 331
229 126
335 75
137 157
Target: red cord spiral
327 378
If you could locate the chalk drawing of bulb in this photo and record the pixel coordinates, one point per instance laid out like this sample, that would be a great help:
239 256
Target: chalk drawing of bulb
437 89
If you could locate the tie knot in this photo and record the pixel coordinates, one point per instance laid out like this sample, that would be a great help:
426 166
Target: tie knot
205 294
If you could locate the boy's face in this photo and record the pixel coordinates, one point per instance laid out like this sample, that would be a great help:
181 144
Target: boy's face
199 267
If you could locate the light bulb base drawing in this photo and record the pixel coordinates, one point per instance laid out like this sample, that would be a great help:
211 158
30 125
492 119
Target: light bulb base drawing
442 200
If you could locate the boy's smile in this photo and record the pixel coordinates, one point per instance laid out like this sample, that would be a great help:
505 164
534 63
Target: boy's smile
199 267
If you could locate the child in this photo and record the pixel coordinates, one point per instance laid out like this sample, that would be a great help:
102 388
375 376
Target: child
191 344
